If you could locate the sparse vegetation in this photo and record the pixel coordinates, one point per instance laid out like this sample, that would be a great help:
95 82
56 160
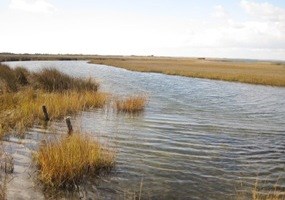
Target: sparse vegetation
6 163
259 194
6 168
3 188
62 163
131 104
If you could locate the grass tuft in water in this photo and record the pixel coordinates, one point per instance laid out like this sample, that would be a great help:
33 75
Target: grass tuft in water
64 162
131 104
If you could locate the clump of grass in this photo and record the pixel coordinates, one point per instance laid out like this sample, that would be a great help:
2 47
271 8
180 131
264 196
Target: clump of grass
64 162
52 80
22 75
131 104
8 80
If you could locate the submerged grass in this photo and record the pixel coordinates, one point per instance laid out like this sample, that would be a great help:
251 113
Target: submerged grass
131 104
259 194
64 162
262 192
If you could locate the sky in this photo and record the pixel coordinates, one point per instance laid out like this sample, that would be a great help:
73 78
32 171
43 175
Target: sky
217 28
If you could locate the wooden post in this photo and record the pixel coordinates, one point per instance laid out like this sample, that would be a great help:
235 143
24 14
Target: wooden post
45 113
69 126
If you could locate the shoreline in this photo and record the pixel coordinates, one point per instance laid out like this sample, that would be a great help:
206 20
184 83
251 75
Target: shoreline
268 73
258 73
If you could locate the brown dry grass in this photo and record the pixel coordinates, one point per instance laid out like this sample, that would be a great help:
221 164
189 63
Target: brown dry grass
52 80
22 95
62 163
23 109
131 104
265 73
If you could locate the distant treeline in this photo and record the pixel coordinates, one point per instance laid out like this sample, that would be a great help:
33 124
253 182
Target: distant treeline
4 57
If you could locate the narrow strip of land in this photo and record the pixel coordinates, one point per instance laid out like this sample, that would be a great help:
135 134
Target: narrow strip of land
254 72
245 71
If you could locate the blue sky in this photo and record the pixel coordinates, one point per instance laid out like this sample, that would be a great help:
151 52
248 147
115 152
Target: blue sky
218 28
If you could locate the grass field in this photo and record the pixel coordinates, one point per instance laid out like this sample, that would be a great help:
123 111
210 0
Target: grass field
264 73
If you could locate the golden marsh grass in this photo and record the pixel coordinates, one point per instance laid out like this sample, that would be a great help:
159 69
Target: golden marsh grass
23 109
131 104
23 94
264 73
63 162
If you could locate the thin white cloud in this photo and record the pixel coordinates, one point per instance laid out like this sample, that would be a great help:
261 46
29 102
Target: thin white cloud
35 6
263 11
260 34
220 12
263 29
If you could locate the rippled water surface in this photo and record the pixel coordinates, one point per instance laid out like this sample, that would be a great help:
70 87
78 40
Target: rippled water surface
197 139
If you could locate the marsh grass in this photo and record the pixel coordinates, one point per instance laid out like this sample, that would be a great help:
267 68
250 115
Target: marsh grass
64 162
23 109
8 79
52 80
264 73
22 95
131 104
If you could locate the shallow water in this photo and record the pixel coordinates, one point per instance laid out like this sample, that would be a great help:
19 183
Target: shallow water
197 139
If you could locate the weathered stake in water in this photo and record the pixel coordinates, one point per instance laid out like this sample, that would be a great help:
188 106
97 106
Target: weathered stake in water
69 126
45 113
